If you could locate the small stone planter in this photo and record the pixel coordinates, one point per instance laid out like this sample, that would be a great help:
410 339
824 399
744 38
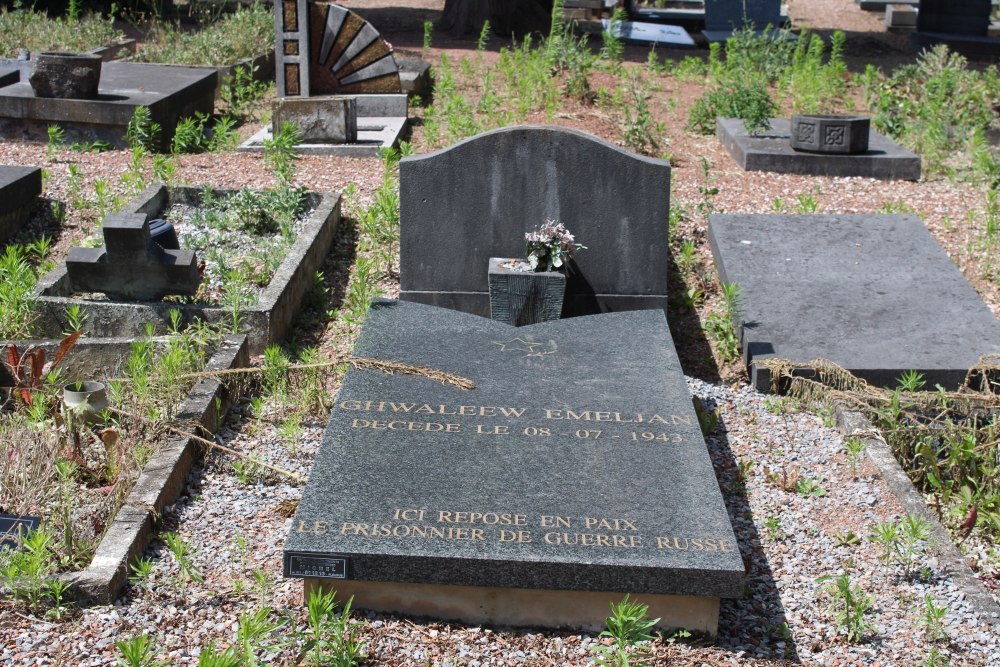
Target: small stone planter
88 399
835 135
72 76
520 296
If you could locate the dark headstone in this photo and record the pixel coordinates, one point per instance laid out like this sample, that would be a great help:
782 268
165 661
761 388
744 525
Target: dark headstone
722 17
771 150
130 265
13 526
873 293
477 199
19 190
958 17
72 76
961 24
575 464
170 93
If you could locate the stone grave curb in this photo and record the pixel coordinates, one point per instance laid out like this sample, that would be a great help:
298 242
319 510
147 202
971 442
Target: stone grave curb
114 51
158 486
856 424
265 323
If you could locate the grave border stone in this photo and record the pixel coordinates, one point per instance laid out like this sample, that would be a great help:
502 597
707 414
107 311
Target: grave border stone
265 323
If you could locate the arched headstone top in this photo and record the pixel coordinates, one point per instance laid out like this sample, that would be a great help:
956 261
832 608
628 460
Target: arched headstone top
476 199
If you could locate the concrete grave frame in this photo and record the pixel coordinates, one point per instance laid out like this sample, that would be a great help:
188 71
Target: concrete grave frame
170 93
162 478
265 323
474 200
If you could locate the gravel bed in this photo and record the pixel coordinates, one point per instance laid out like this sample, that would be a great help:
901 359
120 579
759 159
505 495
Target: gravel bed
237 529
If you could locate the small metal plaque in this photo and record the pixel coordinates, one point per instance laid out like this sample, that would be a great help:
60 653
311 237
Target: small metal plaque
11 526
322 567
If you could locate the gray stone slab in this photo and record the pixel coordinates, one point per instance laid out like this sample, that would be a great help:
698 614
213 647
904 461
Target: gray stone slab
170 92
873 293
19 190
771 151
415 76
9 75
420 481
477 199
881 5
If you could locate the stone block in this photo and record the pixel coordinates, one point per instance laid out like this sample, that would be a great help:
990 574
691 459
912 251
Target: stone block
130 266
575 465
830 135
772 151
900 17
65 75
19 190
520 297
332 119
873 293
464 204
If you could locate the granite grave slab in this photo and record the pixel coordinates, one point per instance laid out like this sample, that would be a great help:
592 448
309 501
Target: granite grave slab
464 204
873 293
574 472
19 190
170 92
771 151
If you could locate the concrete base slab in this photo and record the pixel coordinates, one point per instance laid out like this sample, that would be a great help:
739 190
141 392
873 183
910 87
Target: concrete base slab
374 134
170 93
873 293
583 610
771 151
19 189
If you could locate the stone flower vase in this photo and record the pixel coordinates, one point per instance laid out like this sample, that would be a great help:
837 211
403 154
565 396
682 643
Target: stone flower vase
832 135
520 296
65 75
86 399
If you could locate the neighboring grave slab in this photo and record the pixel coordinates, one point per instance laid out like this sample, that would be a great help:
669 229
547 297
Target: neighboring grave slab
574 472
771 151
130 265
464 204
19 190
170 92
332 119
873 293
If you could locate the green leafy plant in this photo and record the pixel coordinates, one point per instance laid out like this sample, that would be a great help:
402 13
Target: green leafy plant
138 651
901 541
57 137
280 152
807 487
933 621
629 628
142 130
256 634
849 606
331 638
748 100
182 555
855 448
722 327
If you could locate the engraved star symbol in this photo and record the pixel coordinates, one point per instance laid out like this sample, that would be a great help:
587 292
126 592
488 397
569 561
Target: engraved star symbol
521 345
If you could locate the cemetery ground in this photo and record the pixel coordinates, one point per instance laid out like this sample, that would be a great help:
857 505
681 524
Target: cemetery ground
804 500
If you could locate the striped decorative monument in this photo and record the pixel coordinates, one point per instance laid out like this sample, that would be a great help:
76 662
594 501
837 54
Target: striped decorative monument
325 49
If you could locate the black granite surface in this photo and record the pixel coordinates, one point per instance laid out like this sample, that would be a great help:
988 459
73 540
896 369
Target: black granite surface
580 430
873 293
